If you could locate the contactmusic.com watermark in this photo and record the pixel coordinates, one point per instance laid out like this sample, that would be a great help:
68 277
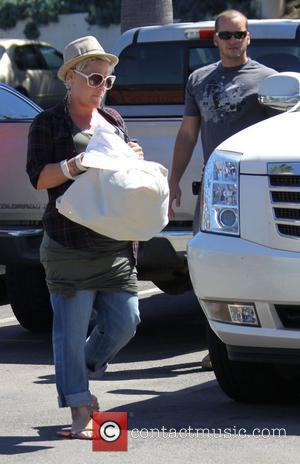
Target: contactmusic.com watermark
110 432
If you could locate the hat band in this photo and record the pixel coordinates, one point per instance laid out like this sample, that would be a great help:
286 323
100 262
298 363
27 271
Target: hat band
86 52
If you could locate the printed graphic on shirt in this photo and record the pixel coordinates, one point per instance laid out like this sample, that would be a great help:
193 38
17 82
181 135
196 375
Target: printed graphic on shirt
219 99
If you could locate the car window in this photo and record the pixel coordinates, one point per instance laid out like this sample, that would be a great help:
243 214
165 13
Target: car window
282 55
53 58
149 74
14 107
2 51
27 57
202 56
277 54
156 73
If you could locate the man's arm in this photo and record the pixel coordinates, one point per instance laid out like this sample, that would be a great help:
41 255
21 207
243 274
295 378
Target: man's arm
185 143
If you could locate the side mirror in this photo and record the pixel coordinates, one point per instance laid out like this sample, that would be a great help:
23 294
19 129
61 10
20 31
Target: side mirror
280 91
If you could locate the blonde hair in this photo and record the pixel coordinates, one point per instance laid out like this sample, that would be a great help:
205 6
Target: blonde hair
82 64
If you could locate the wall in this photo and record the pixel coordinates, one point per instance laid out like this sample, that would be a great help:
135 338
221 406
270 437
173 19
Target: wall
68 28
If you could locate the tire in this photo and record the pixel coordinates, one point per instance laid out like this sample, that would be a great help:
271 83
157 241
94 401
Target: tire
175 286
248 382
29 297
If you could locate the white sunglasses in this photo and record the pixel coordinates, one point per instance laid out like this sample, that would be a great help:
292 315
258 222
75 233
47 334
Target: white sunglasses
96 79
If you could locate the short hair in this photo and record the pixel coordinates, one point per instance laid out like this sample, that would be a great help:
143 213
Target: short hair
82 64
230 14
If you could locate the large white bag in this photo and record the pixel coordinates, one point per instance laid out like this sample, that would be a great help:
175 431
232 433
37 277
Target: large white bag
120 195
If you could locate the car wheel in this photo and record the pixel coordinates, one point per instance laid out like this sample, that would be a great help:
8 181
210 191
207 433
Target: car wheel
245 381
29 297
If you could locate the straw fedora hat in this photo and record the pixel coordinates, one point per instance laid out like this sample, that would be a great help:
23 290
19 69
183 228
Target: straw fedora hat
80 49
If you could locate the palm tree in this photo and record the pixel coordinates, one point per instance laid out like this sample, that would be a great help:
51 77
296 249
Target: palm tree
136 13
272 8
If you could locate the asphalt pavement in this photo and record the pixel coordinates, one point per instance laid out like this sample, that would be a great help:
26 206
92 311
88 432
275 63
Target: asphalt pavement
176 411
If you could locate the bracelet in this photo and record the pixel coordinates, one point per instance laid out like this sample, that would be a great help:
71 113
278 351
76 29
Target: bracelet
78 163
65 169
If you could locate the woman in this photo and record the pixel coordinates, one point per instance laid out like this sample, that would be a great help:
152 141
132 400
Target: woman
84 270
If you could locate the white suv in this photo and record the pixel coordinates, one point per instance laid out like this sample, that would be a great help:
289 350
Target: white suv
245 260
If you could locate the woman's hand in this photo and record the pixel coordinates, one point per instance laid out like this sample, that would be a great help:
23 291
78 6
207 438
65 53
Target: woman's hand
136 148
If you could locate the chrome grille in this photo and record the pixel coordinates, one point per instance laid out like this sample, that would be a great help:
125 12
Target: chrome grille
286 229
284 185
287 213
286 180
286 197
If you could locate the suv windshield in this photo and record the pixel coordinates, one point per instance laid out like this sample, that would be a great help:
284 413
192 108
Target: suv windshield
156 73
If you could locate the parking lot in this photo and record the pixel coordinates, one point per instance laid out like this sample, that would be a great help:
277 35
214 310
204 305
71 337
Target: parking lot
176 410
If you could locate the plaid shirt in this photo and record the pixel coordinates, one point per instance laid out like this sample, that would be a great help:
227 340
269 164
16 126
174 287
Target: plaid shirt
50 140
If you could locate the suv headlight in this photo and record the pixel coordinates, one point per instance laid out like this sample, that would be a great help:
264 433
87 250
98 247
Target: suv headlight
220 194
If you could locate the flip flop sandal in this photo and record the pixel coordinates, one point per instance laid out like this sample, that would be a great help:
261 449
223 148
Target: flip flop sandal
76 435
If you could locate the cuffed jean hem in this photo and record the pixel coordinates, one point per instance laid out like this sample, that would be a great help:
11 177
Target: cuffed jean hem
77 399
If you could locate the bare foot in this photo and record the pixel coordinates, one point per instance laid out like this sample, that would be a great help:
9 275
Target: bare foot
81 419
82 425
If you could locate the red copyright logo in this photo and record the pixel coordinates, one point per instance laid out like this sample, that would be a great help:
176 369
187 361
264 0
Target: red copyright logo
110 431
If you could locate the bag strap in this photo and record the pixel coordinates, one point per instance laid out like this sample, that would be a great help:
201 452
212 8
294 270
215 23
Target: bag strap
112 116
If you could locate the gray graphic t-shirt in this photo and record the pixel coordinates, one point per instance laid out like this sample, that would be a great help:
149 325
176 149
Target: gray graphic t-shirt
225 99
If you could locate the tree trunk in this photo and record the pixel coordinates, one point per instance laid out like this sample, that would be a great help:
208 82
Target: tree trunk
135 13
272 8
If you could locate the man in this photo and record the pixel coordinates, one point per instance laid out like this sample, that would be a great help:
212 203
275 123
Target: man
221 98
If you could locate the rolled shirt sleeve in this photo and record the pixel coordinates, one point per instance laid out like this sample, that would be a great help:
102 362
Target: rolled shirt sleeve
40 148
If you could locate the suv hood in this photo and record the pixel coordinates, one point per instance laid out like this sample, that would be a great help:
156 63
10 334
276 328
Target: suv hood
273 140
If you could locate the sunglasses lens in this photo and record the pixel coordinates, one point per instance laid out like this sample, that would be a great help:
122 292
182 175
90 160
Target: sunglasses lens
226 35
95 80
109 82
240 34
